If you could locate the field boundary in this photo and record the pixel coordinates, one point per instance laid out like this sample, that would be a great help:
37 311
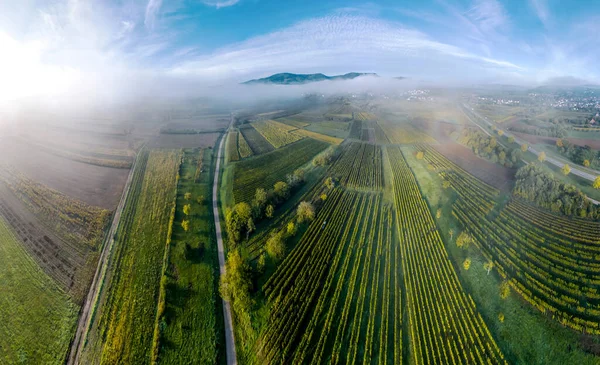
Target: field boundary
229 334
84 321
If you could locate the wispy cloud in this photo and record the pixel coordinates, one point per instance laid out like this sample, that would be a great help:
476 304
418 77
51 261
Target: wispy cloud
336 42
220 3
152 10
541 10
488 15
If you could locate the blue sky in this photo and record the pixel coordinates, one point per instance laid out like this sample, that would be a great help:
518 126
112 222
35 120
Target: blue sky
55 44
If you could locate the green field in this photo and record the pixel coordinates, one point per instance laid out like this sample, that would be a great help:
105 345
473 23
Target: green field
192 322
278 134
123 326
344 281
584 135
333 129
265 170
38 318
525 336
258 144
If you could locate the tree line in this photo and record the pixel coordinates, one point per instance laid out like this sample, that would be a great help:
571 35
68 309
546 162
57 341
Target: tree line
536 185
487 147
584 156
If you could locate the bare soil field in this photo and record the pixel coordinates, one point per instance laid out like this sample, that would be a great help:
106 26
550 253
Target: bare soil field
493 174
594 143
95 185
217 121
203 140
79 140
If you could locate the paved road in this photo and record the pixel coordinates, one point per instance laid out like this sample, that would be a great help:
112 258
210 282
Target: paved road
229 335
552 160
84 317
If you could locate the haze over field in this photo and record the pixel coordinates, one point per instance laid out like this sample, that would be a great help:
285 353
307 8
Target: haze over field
108 51
299 182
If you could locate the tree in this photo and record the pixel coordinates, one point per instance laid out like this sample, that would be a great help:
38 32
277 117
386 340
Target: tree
597 183
501 317
504 290
323 197
438 214
586 163
200 199
323 158
446 184
291 229
488 266
261 263
270 211
500 132
235 287
185 225
464 239
542 156
305 212
187 209
187 196
237 220
524 147
420 155
566 169
502 156
467 264
276 246
330 183
260 197
281 190
559 143
299 175
511 139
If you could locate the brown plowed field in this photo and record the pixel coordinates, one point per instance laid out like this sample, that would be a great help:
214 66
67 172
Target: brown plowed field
491 173
594 143
95 185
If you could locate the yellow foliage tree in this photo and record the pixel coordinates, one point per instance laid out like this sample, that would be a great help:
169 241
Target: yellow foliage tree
187 209
597 183
186 225
467 263
488 266
524 147
501 317
504 290
464 239
187 196
586 163
559 143
420 155
542 156
566 169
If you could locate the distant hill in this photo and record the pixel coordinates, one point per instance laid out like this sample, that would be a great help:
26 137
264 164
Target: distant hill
295 79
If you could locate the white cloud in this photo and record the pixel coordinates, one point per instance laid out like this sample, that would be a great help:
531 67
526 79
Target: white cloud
489 15
220 3
541 10
339 42
152 10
